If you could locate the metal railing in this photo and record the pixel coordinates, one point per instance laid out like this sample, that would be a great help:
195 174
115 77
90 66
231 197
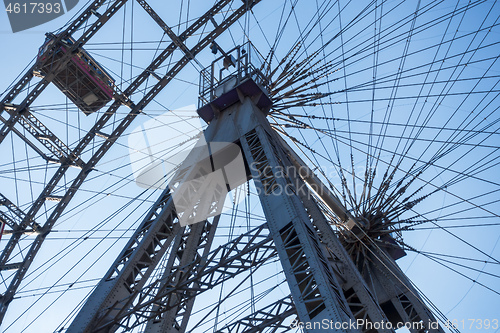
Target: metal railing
239 64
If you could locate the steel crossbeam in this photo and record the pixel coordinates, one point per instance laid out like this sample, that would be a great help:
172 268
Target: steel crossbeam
360 299
15 211
4 218
49 140
176 40
312 281
13 218
398 294
325 283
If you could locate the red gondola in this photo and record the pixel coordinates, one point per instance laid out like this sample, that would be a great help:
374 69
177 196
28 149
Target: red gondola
82 79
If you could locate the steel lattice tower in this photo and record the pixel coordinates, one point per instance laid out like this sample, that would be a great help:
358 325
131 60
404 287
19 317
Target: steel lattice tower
58 151
345 274
311 254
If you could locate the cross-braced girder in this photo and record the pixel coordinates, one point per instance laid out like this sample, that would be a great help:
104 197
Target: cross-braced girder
249 250
166 265
324 281
40 86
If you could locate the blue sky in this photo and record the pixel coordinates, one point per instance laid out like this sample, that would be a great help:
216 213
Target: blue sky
444 60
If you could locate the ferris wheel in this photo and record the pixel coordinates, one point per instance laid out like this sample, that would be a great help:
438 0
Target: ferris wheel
254 166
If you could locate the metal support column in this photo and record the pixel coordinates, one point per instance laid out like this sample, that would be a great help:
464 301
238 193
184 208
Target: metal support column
187 248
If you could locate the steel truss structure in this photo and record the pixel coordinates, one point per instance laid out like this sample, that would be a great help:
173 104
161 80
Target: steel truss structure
62 154
307 229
